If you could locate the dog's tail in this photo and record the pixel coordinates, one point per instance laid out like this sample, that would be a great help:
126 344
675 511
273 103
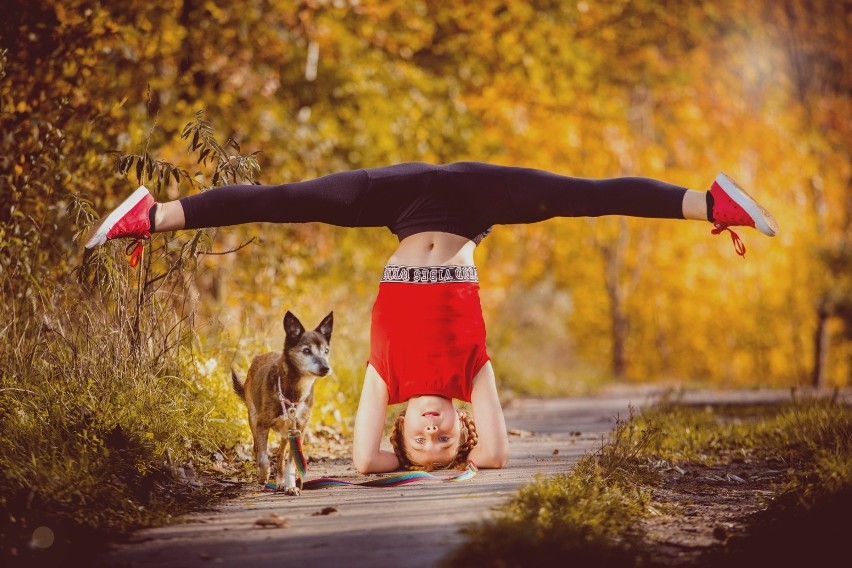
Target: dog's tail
238 386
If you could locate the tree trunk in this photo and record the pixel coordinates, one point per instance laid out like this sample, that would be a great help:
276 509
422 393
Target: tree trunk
613 254
821 344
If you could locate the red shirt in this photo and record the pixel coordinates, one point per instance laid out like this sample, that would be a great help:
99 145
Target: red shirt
428 338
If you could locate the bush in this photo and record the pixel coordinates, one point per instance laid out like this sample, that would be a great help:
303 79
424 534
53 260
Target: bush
102 403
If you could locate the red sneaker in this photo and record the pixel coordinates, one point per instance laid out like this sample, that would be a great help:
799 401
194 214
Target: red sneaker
733 207
128 220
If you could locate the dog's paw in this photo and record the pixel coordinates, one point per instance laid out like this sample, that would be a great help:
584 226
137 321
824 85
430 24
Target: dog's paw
294 491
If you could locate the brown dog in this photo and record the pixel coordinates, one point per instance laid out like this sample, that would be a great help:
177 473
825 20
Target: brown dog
279 393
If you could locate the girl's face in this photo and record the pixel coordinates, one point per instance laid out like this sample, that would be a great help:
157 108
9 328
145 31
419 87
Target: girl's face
431 430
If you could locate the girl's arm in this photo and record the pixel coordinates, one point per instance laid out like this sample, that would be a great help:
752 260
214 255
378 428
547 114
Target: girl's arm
492 449
369 427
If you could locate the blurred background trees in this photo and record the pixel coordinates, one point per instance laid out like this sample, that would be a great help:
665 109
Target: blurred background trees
672 90
114 382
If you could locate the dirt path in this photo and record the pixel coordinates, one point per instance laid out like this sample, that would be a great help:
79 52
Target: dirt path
413 525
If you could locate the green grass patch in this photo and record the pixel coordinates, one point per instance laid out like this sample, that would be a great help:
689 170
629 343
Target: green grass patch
593 515
589 516
811 436
109 418
102 408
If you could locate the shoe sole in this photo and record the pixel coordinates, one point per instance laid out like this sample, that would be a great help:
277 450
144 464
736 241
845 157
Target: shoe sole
763 219
98 234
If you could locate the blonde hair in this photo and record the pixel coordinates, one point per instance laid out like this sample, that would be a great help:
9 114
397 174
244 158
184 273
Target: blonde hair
467 440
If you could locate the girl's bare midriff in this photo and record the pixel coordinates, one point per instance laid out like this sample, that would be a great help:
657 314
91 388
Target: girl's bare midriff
434 249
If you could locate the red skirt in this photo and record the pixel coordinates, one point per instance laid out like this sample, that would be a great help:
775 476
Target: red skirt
428 337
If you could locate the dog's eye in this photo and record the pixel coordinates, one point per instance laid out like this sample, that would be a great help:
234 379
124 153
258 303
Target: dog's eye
306 350
326 350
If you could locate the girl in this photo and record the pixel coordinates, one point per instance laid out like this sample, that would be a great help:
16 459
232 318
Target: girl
427 340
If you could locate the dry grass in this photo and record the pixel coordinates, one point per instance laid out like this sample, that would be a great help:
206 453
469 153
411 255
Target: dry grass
104 407
598 514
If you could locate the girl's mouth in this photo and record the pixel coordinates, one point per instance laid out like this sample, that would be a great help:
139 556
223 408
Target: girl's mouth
430 413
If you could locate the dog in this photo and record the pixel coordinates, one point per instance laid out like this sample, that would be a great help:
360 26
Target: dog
279 393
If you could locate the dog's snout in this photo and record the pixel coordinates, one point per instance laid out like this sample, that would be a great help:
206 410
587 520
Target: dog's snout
324 370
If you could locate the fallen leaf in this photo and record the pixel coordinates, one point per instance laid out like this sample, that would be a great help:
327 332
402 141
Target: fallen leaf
326 511
519 432
272 520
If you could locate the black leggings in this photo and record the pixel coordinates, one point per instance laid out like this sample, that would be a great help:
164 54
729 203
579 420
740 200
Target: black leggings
464 197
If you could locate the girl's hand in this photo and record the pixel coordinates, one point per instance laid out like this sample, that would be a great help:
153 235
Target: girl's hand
369 427
492 449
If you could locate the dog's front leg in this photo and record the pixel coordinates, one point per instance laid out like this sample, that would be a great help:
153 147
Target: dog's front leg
261 457
286 470
290 487
280 460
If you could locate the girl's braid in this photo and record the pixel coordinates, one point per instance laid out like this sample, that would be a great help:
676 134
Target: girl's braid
468 439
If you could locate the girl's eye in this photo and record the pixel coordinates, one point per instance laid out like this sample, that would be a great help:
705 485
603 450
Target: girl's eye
306 350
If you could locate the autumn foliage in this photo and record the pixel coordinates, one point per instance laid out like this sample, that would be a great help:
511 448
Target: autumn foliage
114 381
676 91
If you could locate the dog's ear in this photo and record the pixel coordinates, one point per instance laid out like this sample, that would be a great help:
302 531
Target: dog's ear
325 326
293 328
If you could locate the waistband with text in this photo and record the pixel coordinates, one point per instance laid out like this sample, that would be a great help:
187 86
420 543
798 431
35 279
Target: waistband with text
429 274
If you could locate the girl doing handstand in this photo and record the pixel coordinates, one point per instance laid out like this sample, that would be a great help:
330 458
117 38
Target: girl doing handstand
427 339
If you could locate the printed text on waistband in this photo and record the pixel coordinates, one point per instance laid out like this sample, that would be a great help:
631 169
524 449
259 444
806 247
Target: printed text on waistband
429 274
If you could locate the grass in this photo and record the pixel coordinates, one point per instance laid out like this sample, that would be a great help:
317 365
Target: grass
589 516
593 516
110 416
813 436
102 409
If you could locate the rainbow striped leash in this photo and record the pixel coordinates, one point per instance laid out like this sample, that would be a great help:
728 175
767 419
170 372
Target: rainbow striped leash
298 457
